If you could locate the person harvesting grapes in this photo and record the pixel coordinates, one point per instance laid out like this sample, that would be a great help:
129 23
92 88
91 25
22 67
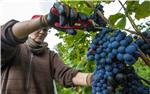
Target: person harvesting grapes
27 65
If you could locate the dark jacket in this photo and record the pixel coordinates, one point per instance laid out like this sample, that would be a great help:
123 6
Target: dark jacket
22 72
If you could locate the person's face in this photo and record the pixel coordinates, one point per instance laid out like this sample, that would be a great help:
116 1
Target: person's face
39 35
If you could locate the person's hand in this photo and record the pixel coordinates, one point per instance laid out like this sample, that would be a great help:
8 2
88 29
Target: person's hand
63 17
66 14
89 79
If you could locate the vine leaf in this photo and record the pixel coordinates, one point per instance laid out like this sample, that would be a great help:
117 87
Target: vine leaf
143 10
132 6
118 20
140 10
122 23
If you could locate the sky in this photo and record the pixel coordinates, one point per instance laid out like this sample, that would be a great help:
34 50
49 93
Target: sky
24 9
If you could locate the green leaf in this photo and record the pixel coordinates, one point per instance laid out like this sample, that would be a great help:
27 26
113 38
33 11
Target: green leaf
143 10
118 20
106 1
122 23
140 10
131 6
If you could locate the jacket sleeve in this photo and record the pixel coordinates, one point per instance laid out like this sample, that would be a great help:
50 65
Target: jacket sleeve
9 43
61 72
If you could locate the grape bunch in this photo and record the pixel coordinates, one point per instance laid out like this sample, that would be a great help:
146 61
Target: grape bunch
108 45
114 52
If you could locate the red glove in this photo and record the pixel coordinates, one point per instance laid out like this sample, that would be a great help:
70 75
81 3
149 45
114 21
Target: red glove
63 18
67 17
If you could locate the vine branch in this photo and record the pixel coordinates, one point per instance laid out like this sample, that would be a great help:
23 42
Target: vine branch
133 32
144 58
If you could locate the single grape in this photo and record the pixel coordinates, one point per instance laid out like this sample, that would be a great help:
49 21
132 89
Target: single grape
120 57
124 43
115 44
131 49
91 57
121 49
129 39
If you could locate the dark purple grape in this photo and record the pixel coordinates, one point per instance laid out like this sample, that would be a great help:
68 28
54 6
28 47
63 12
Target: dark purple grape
91 57
98 50
88 53
115 44
108 68
120 57
116 33
102 60
120 37
111 55
131 49
93 46
103 54
94 41
114 51
115 70
108 50
124 43
110 46
139 42
97 56
108 61
128 57
129 39
112 39
121 49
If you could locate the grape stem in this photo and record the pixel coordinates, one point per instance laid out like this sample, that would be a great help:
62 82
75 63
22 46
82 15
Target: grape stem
146 81
144 58
133 32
